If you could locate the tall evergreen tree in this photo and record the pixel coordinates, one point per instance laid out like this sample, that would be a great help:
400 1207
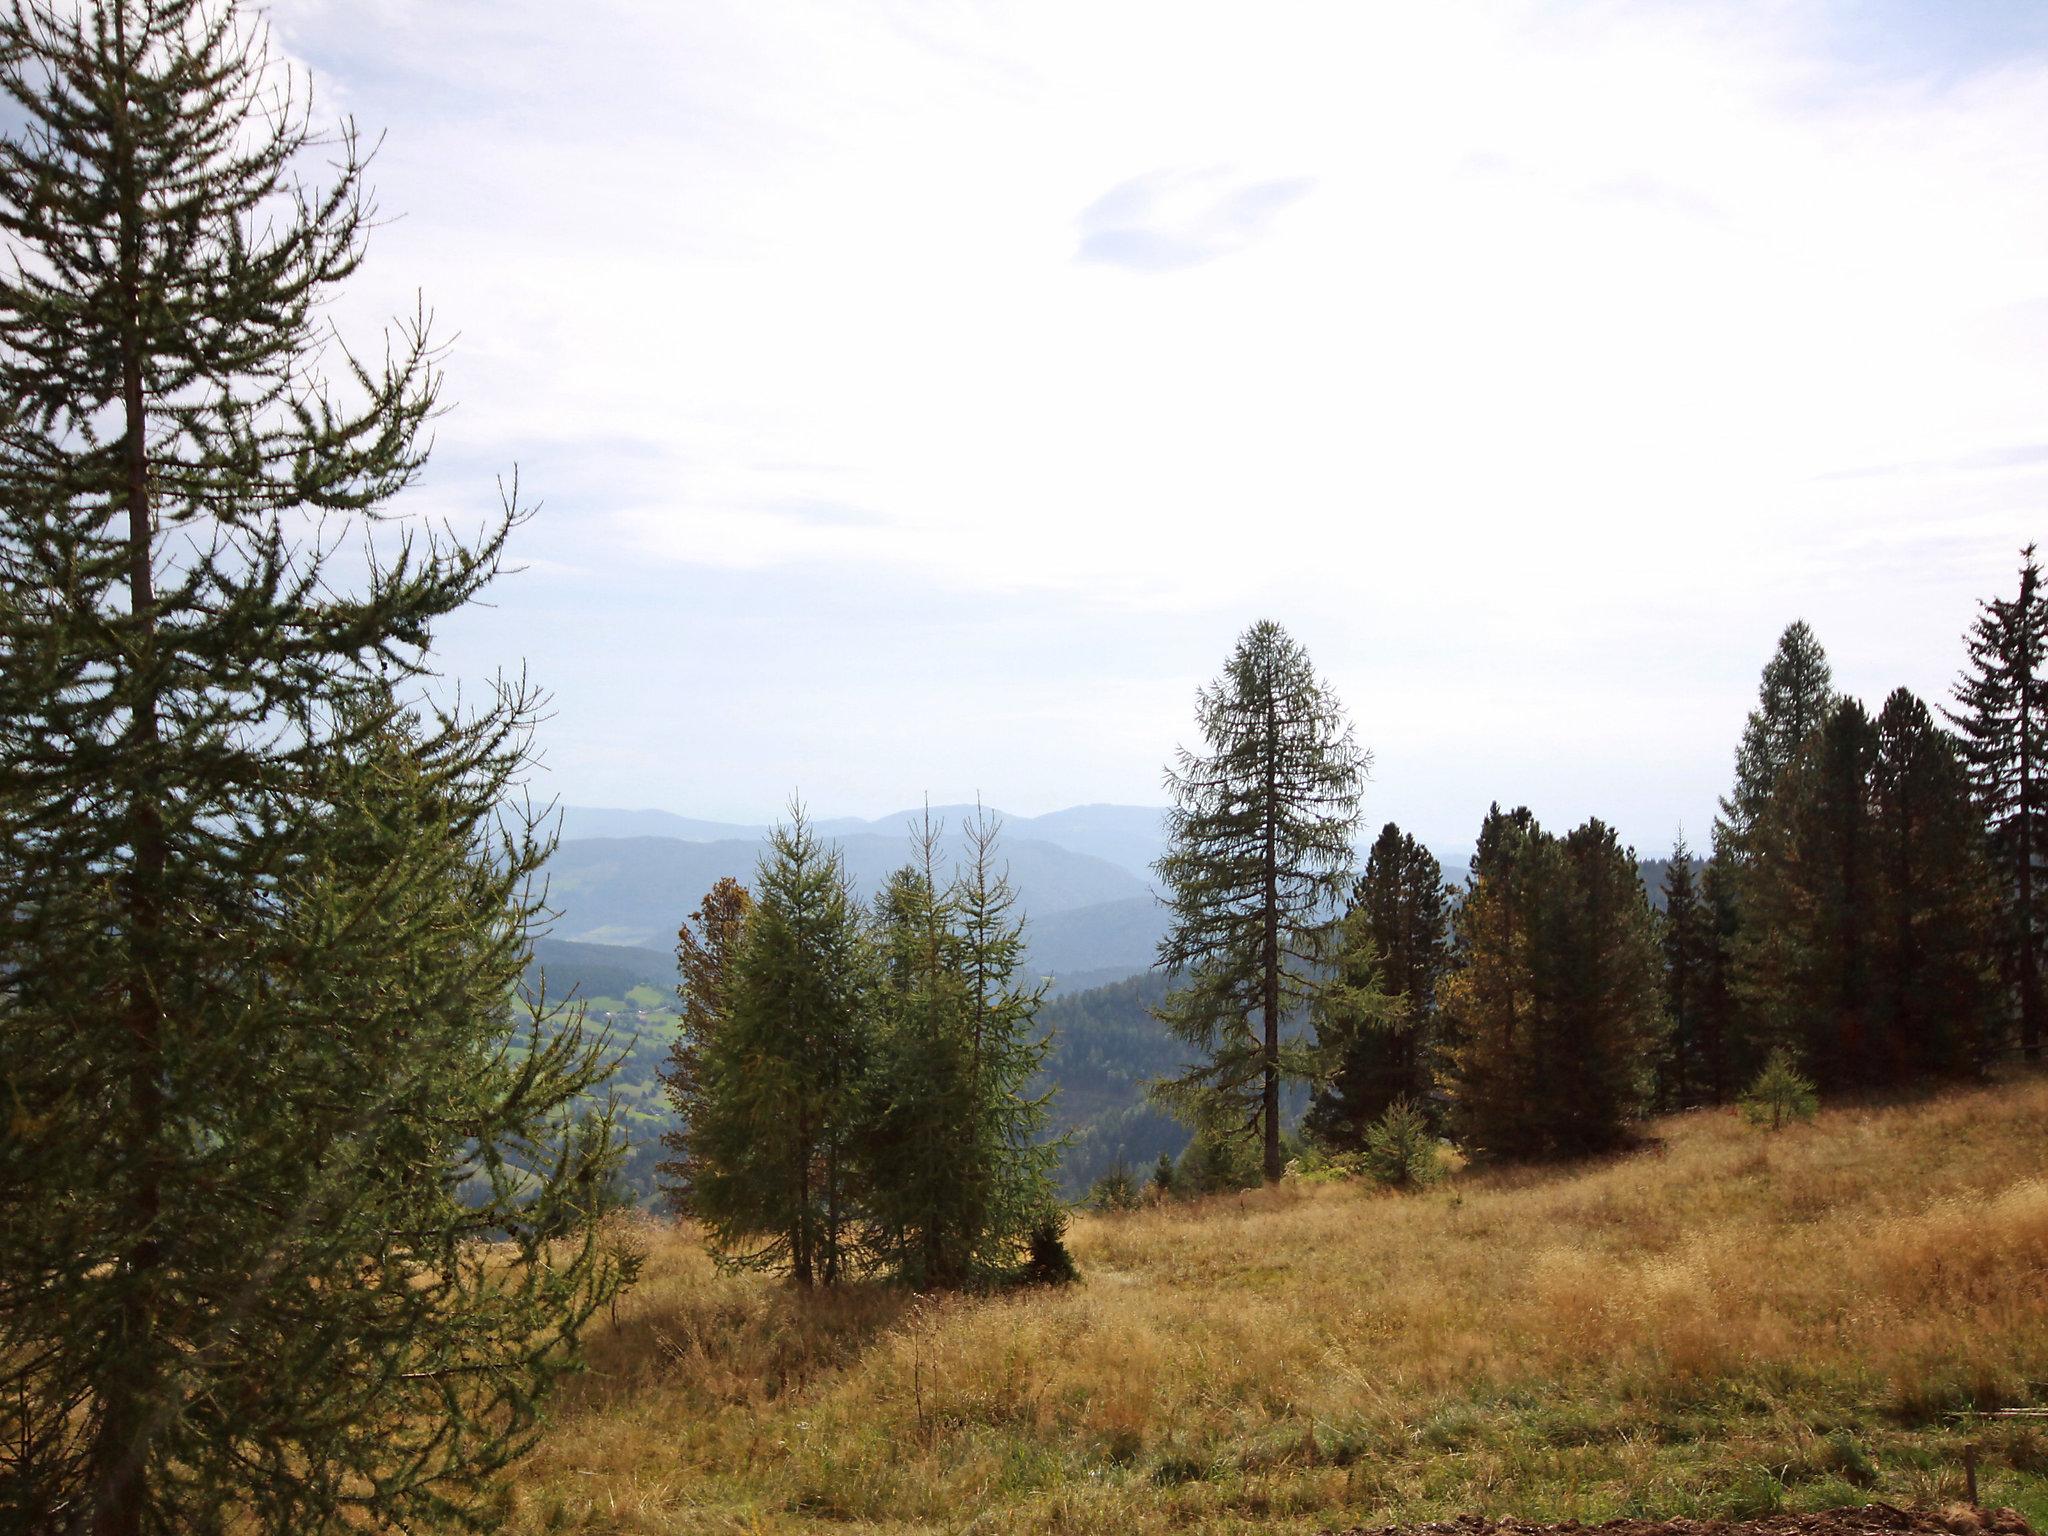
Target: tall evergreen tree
783 1077
1796 694
705 946
1805 949
1557 1005
1259 852
1379 1026
1691 1067
1938 901
256 937
2002 714
1718 1025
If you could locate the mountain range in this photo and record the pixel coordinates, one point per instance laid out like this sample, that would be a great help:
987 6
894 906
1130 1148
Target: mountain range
1082 876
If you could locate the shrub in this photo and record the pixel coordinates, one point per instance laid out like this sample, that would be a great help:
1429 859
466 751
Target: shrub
1780 1093
1400 1149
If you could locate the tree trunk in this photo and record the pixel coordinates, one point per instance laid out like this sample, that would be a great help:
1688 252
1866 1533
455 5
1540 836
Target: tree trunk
121 1446
2030 970
1272 950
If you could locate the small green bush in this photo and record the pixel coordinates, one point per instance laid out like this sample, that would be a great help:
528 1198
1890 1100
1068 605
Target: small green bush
1780 1093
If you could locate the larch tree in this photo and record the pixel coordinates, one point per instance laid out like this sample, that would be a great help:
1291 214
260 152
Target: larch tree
958 1172
1259 852
1379 1026
781 1081
2001 714
705 945
260 913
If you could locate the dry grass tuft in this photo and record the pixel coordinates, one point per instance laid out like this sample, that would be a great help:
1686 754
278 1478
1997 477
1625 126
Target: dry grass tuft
1735 1325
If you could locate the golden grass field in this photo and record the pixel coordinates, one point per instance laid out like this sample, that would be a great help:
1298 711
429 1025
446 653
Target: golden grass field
1737 1323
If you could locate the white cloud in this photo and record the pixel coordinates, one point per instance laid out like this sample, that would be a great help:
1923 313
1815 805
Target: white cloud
1547 332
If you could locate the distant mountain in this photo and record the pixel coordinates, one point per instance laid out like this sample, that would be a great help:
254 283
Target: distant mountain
637 890
1084 946
1128 836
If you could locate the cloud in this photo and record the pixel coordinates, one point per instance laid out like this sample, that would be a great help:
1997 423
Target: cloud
1168 220
2013 456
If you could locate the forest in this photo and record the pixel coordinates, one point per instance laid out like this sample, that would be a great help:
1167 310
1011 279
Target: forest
1406 1191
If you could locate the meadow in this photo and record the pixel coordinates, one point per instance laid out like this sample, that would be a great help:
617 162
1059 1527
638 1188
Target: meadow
1731 1322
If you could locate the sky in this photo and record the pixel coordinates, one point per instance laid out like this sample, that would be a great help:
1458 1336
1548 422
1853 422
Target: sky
921 398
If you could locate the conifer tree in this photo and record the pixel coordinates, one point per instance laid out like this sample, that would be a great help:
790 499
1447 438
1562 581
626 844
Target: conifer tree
1013 1162
782 1079
1805 949
1938 902
1556 1007
1259 850
1795 696
2002 714
1718 1028
1691 1064
258 930
1378 1021
957 1172
705 945
920 1195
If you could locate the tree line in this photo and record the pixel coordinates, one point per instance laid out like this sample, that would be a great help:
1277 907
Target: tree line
1869 918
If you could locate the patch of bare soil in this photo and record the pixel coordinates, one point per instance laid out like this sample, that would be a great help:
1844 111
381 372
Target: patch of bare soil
1870 1520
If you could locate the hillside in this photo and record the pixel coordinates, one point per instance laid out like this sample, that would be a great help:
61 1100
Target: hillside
1733 1324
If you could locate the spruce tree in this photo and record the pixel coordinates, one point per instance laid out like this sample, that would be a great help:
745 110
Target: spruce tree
705 946
1259 851
782 1080
258 922
2002 714
1378 1024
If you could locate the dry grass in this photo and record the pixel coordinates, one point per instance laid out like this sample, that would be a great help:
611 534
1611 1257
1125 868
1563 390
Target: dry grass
1739 1323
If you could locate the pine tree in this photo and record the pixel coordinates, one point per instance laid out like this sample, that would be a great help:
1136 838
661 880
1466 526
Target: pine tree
1259 851
705 946
1377 1023
2002 715
1937 930
1796 694
1557 1006
1719 1030
783 1078
1691 1066
257 929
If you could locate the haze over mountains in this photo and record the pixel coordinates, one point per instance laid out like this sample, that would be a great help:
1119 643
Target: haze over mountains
1082 876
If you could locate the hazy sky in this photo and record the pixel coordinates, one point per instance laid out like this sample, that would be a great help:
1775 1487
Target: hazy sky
923 397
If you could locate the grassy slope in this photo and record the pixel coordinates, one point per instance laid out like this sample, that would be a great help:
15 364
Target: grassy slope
1739 1322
